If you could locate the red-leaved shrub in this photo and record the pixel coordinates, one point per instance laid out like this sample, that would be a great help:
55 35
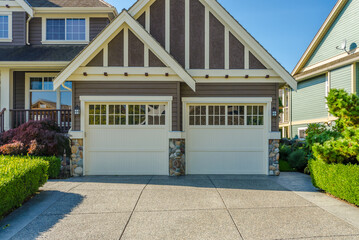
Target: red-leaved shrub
14 148
39 138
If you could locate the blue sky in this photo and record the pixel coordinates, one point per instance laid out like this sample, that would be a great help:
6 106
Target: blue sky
284 27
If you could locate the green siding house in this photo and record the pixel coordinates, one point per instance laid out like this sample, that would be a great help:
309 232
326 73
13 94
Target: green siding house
329 62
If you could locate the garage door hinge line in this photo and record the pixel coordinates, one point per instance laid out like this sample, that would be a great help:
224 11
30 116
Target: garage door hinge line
134 208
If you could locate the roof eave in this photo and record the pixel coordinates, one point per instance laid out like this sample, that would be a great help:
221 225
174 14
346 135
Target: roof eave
319 36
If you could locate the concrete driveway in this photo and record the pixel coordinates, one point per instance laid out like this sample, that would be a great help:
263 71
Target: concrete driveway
191 207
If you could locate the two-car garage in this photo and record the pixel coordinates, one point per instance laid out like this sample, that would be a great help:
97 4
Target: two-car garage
132 138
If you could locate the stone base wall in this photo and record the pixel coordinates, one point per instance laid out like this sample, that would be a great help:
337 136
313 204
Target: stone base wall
77 160
273 154
177 162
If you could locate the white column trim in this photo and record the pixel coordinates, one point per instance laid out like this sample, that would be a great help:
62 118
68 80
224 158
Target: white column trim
226 48
246 57
5 95
147 27
105 56
354 78
125 47
167 24
187 34
206 41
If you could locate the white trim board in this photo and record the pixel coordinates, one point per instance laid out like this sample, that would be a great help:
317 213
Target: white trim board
139 31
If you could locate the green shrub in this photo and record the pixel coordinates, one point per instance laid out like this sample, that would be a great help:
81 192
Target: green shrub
344 149
345 106
20 178
298 160
54 166
318 133
284 151
284 166
339 180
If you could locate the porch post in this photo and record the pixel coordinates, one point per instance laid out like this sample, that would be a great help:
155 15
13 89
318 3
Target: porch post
5 95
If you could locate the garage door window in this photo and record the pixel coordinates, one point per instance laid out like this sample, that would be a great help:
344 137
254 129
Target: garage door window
127 114
255 115
226 115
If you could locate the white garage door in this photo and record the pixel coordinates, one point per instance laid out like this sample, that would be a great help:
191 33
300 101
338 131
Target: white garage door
126 139
226 139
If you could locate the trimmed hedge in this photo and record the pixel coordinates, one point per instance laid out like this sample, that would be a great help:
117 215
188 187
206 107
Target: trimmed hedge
54 166
20 178
339 180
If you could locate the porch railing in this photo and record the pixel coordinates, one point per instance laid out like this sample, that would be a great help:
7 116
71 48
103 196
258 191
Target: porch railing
2 118
60 116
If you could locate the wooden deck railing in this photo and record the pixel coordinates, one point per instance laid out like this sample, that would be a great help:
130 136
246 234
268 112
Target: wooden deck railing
60 116
2 118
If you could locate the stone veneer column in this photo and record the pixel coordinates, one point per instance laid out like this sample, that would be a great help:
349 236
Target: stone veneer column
273 154
77 157
177 162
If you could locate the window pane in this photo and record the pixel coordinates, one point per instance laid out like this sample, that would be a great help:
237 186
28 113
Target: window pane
36 83
55 29
48 85
92 109
66 100
43 100
4 27
67 84
76 29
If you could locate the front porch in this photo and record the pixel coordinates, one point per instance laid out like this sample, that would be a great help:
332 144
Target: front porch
29 96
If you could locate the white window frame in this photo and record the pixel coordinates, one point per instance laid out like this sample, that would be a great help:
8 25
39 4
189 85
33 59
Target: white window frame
44 27
301 129
261 101
9 38
150 100
127 114
327 88
41 75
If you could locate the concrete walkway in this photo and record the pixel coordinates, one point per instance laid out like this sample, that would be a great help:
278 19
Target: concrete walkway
191 207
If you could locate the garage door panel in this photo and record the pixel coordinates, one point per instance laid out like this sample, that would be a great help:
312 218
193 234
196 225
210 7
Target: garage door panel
226 139
225 163
126 163
127 139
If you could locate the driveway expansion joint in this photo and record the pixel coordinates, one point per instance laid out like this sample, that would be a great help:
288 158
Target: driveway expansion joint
134 208
239 232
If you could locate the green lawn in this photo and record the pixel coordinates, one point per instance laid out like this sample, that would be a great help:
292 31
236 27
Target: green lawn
284 166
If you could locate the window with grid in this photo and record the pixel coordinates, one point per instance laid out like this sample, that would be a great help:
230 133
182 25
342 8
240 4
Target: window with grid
216 115
70 29
235 115
226 115
97 114
117 114
255 115
127 114
4 27
136 114
197 115
43 96
156 114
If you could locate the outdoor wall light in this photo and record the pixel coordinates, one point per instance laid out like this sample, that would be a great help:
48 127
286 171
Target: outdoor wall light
274 112
77 110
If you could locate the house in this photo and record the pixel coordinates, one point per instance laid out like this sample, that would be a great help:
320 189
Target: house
329 62
169 87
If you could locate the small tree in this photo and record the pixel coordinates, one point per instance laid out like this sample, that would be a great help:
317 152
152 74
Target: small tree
345 107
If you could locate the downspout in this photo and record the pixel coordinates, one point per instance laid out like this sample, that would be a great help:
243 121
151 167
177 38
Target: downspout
27 30
67 88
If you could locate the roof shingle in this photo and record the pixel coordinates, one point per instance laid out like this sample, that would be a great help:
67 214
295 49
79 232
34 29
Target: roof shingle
39 53
68 3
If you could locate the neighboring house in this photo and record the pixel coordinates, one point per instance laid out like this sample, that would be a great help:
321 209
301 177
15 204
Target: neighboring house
324 65
168 87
